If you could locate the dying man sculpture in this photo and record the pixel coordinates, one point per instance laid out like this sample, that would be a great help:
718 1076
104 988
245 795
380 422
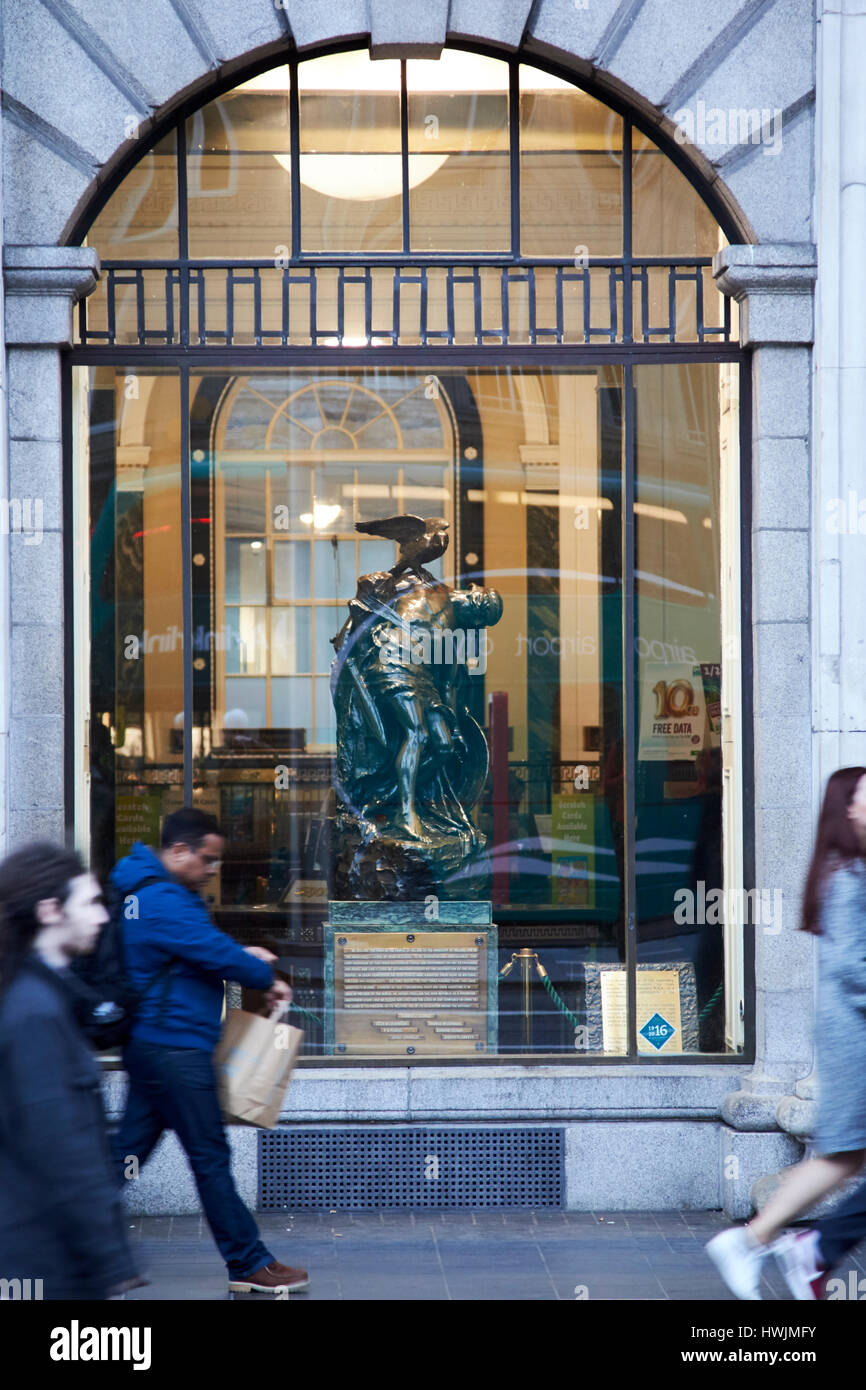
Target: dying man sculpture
411 759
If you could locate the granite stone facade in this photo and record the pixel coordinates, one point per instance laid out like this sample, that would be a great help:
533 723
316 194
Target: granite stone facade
79 75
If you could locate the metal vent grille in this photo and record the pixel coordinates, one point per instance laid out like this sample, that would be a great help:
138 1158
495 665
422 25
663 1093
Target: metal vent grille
371 1169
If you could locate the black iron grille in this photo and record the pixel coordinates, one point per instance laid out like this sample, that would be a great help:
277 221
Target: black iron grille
224 304
367 1169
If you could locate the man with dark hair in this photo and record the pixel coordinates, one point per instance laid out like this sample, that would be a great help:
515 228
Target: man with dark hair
62 1233
168 933
188 826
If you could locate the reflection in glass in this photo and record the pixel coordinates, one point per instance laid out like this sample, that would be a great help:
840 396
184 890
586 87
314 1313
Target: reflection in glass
246 704
459 178
350 163
245 571
291 570
670 217
238 185
136 611
678 676
247 641
525 464
139 221
538 517
570 170
291 640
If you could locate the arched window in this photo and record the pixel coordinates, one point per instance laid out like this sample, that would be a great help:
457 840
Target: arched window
298 460
345 289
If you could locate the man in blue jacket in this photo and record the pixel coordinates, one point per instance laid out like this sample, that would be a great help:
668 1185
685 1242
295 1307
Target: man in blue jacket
168 936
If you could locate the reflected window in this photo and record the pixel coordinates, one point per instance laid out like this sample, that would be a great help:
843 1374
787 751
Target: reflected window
295 462
351 289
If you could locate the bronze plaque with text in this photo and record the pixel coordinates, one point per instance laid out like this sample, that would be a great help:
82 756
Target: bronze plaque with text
419 993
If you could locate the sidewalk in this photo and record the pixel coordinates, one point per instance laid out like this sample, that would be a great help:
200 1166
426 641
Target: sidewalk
434 1255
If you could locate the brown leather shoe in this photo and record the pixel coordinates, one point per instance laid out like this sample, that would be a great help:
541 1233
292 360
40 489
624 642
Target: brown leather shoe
272 1278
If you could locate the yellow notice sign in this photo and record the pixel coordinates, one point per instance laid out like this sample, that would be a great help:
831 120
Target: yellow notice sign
659 1023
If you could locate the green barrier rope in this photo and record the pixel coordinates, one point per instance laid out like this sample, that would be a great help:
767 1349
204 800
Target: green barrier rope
711 1003
563 1009
305 1013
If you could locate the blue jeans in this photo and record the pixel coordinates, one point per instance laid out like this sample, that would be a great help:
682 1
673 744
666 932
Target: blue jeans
175 1088
843 1228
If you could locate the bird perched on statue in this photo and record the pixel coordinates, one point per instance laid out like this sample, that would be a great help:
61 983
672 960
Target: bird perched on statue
420 540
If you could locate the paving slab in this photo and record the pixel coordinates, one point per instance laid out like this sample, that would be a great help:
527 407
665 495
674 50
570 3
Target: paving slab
432 1256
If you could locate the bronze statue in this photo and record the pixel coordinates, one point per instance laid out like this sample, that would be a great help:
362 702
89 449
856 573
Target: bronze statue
411 760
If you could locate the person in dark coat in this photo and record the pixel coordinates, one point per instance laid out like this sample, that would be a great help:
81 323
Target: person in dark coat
61 1222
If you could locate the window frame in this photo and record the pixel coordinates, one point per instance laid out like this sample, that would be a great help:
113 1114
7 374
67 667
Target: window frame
187 357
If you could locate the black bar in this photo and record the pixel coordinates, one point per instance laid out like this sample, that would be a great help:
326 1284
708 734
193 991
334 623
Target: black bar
457 355
629 818
645 329
314 311
183 235
257 307
169 307
285 308
295 148
672 304
140 309
449 304
110 307
587 306
612 331
699 304
560 307
746 695
186 576
69 636
404 155
202 307
396 258
504 292
627 326
395 308
533 334
514 151
230 307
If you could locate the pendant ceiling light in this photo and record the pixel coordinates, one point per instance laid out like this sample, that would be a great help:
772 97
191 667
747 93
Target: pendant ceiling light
362 178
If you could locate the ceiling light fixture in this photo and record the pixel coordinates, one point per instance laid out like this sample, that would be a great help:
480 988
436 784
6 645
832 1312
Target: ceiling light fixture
362 178
321 516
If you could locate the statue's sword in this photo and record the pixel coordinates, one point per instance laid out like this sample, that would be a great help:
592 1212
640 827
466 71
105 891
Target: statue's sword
371 715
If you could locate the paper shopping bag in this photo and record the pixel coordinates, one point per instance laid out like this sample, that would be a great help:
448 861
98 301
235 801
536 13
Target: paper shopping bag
254 1061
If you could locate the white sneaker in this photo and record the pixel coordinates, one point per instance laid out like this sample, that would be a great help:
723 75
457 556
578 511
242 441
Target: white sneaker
738 1260
797 1255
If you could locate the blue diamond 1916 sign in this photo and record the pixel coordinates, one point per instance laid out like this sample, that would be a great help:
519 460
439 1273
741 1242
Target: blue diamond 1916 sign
657 1030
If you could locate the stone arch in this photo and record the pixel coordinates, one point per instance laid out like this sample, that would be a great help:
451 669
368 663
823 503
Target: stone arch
125 80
